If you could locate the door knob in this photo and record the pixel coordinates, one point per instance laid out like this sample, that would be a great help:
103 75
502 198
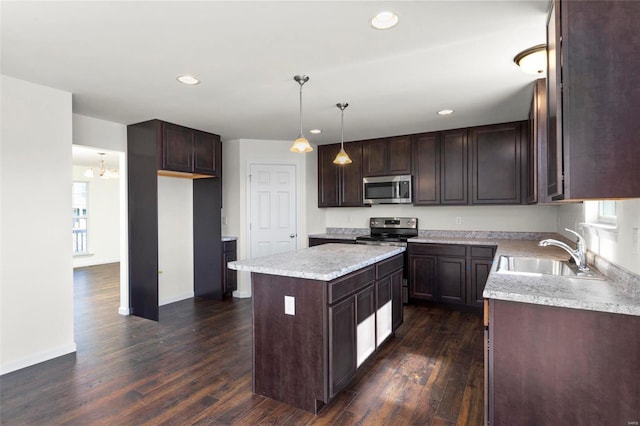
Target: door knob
292 235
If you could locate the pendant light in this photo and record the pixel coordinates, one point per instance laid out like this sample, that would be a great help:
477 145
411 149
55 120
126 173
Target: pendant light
342 157
301 145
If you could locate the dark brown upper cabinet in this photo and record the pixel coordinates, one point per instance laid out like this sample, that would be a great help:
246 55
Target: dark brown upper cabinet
426 166
440 168
454 169
496 158
537 145
188 150
593 108
387 156
340 185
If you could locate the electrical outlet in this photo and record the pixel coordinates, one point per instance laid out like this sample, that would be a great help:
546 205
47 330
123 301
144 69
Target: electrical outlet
225 220
289 305
458 220
636 240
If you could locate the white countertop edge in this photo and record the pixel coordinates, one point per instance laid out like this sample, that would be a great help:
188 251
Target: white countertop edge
612 308
316 276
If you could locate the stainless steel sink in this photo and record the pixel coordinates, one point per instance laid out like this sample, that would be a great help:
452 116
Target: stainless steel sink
541 266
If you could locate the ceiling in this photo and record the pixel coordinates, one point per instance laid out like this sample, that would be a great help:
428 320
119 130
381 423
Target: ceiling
120 60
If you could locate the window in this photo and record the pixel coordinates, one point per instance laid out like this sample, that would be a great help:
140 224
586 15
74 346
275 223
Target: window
79 207
607 212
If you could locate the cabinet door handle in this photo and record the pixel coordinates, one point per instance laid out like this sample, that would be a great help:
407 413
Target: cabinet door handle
292 235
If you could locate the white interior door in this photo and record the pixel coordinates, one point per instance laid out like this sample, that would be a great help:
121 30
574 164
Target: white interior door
272 202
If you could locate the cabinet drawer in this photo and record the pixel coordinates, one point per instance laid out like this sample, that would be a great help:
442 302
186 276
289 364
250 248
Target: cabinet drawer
481 251
438 249
388 266
229 245
365 304
349 284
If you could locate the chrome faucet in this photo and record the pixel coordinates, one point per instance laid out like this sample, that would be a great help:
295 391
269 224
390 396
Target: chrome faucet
579 255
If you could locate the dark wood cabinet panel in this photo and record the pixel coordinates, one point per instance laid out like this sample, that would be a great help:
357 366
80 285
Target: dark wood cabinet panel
426 168
422 276
186 150
438 272
557 366
399 155
229 276
342 344
387 156
397 308
177 148
350 177
365 303
593 110
496 164
479 272
340 185
536 188
207 250
453 175
554 172
374 157
207 153
328 192
451 279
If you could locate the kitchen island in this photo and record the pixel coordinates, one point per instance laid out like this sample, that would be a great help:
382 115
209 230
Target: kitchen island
318 314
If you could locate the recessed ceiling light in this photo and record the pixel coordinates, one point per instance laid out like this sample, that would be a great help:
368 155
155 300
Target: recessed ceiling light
188 79
384 20
315 131
446 112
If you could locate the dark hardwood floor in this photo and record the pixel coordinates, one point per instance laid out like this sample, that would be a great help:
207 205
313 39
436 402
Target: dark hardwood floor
194 367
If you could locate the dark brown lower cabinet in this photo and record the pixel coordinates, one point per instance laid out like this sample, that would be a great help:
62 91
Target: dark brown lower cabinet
342 335
547 365
229 276
451 278
449 273
305 359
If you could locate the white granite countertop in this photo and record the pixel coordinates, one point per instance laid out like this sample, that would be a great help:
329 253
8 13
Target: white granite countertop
229 238
539 289
324 262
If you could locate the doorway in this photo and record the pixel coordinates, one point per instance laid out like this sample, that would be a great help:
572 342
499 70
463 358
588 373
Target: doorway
272 209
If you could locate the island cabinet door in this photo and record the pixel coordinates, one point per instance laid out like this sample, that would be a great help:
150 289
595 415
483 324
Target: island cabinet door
342 344
397 307
384 308
366 328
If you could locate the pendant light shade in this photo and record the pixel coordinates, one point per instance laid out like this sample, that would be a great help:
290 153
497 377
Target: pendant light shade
342 157
301 145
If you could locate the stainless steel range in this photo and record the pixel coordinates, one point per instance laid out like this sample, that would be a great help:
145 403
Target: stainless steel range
392 231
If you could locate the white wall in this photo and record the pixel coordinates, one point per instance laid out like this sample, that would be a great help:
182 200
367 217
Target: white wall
175 239
617 246
36 271
104 220
237 156
106 135
477 218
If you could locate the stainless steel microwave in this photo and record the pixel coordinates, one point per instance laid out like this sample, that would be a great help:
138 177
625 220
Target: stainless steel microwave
387 190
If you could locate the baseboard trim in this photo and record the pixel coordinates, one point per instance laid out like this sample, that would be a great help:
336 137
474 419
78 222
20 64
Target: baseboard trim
242 294
34 359
124 311
178 298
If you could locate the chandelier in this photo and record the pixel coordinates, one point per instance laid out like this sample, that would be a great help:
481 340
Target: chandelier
102 170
